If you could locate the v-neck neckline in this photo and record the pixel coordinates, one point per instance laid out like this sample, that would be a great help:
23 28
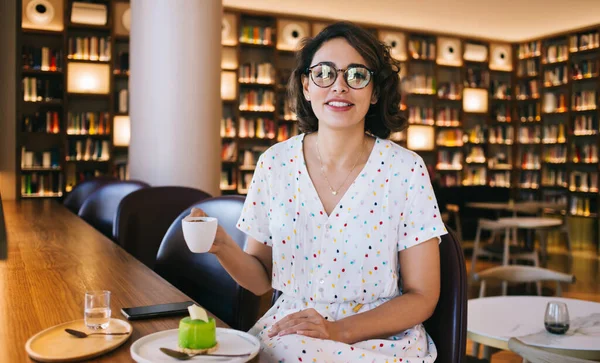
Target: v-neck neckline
312 184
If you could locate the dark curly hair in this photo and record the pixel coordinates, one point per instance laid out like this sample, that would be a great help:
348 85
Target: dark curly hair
383 117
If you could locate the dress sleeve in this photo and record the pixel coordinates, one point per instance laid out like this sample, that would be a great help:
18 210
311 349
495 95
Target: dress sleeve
255 217
421 219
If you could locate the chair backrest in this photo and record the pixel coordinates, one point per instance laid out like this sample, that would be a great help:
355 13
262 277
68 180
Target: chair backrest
200 275
521 274
144 216
100 208
448 324
76 197
537 355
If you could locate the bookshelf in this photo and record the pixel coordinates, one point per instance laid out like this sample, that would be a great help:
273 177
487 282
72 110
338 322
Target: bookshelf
522 116
65 133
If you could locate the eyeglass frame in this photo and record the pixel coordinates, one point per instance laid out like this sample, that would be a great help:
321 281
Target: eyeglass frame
337 70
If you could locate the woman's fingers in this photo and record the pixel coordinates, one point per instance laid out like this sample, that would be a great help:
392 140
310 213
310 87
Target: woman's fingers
197 212
306 328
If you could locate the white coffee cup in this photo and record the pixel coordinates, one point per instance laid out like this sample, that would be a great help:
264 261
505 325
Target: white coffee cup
199 233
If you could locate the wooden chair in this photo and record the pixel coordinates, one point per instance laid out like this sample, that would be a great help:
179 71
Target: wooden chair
517 274
537 355
522 274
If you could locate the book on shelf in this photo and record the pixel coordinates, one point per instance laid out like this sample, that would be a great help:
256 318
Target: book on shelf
41 184
257 100
585 41
422 49
229 151
44 122
88 123
91 48
554 134
228 127
555 154
41 59
556 53
527 68
259 73
555 76
530 49
259 35
36 89
49 159
584 100
584 69
88 150
529 113
420 115
555 102
260 128
586 153
585 125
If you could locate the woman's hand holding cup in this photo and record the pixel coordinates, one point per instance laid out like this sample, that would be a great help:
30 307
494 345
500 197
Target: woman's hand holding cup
203 233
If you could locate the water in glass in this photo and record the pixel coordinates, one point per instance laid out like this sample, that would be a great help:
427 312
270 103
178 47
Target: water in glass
97 309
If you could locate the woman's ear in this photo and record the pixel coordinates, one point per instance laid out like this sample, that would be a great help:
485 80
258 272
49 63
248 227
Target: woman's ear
305 87
375 97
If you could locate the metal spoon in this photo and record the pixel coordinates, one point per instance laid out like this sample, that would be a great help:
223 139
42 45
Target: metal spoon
184 356
80 334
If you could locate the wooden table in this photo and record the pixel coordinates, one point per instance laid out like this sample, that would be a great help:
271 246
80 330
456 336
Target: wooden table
492 321
53 258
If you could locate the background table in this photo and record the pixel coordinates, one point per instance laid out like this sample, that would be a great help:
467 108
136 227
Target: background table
493 320
53 258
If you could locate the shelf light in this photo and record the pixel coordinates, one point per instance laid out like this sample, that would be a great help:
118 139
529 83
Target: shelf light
122 131
228 85
420 137
475 100
88 78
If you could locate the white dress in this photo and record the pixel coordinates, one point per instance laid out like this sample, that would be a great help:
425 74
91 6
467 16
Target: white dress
332 263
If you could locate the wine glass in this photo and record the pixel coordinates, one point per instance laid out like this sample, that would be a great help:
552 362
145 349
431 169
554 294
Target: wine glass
556 319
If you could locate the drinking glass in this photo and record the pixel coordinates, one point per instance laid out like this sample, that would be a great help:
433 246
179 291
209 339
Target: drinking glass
556 319
97 309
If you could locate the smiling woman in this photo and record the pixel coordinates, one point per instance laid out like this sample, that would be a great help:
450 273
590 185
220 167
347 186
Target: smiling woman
338 215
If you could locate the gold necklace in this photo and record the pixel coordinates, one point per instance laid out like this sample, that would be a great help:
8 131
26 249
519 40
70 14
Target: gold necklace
333 191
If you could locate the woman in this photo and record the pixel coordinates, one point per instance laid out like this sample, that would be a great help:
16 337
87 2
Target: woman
334 213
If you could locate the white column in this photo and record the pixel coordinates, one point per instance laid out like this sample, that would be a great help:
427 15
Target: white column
175 99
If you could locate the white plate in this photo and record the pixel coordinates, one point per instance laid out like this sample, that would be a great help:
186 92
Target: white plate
146 349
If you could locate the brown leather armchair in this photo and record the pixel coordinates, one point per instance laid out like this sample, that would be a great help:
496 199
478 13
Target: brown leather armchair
448 324
200 275
144 216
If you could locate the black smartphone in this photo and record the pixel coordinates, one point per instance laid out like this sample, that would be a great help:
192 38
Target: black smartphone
155 311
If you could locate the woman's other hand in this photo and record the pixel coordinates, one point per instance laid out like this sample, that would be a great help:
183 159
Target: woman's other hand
308 323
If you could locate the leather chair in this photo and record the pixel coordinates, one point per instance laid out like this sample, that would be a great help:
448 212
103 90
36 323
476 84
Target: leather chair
76 197
100 208
201 276
144 216
448 324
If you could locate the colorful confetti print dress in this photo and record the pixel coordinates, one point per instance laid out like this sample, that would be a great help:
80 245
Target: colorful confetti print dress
333 262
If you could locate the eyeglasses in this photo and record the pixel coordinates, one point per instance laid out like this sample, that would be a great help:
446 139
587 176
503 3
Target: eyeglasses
324 75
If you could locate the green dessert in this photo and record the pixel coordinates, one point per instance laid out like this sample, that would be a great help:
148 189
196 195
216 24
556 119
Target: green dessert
197 332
